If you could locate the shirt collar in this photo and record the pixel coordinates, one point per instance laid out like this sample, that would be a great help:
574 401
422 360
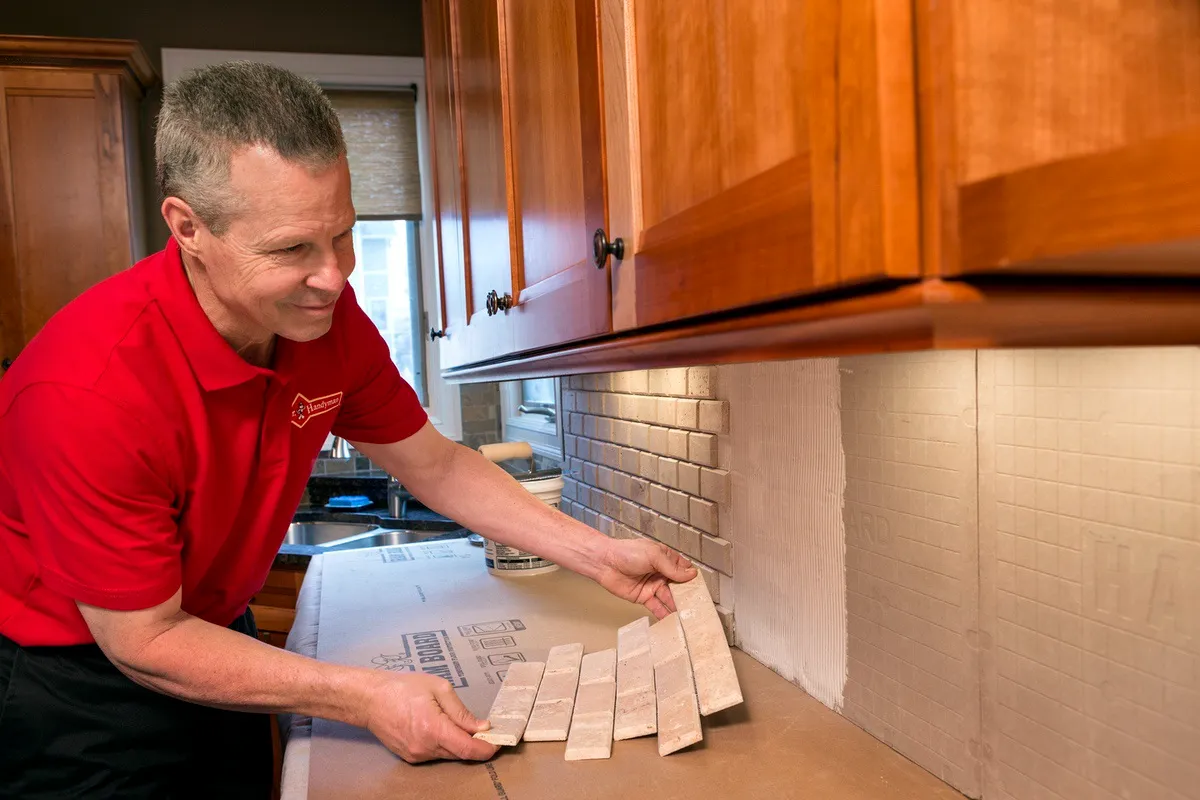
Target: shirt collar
216 364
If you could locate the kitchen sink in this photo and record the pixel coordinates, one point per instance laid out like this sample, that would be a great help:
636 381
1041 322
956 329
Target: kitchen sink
339 535
322 534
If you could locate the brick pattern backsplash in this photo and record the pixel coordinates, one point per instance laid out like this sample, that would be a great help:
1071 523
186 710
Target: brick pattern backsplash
480 414
641 460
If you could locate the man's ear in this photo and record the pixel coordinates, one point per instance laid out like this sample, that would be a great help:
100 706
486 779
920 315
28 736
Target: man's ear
185 225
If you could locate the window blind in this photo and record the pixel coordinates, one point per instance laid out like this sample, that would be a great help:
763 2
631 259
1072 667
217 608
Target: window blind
380 129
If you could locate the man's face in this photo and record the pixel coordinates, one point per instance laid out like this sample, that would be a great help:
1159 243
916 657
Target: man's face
284 259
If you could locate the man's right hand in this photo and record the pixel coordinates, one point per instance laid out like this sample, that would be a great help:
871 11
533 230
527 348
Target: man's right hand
420 718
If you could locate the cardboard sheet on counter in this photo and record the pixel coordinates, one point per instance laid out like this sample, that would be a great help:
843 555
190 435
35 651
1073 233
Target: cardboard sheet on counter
435 608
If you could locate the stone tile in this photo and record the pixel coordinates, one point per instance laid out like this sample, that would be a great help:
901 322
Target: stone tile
607 525
591 519
639 436
714 416
551 717
591 733
627 406
639 490
514 702
687 414
666 411
668 472
678 505
678 712
610 404
716 679
636 707
677 444
689 478
629 460
712 578
689 542
604 429
647 410
714 485
609 453
622 431
666 530
702 382
612 505
621 485
702 514
569 445
659 499
648 466
718 554
604 478
702 449
589 474
675 381
631 514
657 381
657 440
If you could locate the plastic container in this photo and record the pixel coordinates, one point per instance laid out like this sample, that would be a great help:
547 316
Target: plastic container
545 485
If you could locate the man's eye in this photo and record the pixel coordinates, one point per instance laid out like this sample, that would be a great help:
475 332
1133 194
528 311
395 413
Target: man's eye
296 248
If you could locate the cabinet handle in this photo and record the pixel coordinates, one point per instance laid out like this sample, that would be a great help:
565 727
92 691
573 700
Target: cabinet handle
602 248
498 302
5 364
435 334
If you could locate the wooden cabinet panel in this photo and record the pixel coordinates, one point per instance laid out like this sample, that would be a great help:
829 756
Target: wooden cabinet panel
488 236
442 104
556 168
737 110
1060 136
65 195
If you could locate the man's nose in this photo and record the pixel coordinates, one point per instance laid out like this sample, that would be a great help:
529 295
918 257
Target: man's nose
328 277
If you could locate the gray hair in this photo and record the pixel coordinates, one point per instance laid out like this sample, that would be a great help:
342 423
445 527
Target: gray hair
210 113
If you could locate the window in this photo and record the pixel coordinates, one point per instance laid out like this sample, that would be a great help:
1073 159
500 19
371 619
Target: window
529 410
387 283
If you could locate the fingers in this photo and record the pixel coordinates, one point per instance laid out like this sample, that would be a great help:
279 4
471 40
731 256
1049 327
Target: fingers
656 607
457 713
460 744
664 596
673 565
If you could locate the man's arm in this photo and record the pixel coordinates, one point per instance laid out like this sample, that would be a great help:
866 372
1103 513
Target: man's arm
163 648
462 484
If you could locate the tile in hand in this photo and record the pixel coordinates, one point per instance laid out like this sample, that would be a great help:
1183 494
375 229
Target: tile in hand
636 706
514 701
717 685
678 715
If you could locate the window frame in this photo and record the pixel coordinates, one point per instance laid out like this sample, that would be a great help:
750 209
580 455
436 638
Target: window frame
368 72
545 437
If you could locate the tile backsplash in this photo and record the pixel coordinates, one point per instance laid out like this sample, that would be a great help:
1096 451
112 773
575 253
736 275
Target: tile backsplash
986 559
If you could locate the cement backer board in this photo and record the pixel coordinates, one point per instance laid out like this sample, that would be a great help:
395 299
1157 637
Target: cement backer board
787 477
911 521
780 742
1090 545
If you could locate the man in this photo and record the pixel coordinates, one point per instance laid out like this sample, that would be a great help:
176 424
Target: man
152 453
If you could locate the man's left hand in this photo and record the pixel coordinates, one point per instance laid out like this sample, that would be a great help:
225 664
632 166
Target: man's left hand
639 571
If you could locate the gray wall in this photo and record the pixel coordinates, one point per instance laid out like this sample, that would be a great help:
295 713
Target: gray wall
359 27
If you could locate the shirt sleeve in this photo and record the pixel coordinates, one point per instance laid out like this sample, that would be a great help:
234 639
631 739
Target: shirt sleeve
379 406
97 507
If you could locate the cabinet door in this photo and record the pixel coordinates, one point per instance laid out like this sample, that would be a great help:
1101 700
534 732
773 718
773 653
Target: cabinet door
64 194
476 28
442 104
556 170
1061 137
759 173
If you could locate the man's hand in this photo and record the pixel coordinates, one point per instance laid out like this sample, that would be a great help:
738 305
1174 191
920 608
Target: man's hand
639 571
420 718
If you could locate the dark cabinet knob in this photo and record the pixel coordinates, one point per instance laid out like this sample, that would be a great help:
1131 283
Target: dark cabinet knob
5 364
435 334
497 302
602 248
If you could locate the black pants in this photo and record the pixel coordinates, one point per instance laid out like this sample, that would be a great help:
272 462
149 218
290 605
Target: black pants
72 726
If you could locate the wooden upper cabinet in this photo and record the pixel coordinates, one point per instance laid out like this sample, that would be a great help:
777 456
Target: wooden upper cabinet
70 189
556 170
734 113
441 95
1060 137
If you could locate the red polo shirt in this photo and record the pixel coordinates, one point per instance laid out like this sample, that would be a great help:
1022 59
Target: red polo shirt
139 453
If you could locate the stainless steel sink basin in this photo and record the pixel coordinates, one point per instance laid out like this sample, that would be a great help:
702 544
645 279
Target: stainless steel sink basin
382 537
322 534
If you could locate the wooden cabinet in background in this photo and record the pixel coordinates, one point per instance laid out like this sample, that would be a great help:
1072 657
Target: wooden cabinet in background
274 606
70 193
1060 137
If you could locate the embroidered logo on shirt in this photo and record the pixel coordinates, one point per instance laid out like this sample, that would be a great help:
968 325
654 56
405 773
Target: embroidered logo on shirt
304 409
